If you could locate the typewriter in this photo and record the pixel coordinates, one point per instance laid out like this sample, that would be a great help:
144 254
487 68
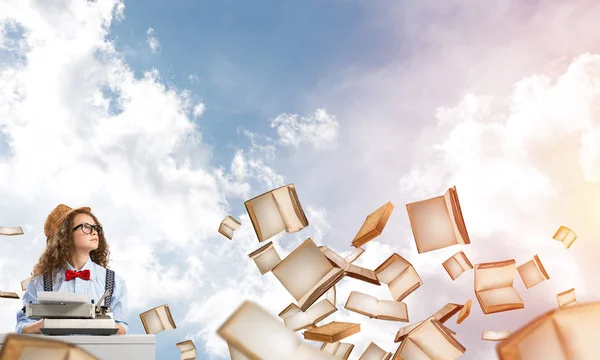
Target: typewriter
71 314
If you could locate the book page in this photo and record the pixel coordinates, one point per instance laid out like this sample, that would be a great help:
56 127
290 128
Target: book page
431 224
392 310
494 275
464 312
344 351
362 303
566 298
373 352
455 211
391 268
10 231
301 320
265 216
435 342
362 273
405 283
286 207
453 268
410 350
265 258
235 354
579 329
330 295
330 348
302 269
273 342
225 230
166 320
532 272
231 223
505 295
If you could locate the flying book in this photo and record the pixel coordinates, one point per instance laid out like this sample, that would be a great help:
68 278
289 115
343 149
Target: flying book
228 226
566 298
235 354
265 258
399 275
532 272
338 350
457 264
26 347
437 222
494 287
374 308
442 315
296 320
374 352
187 349
332 332
464 312
157 319
490 335
10 231
429 340
570 333
373 225
275 211
258 335
351 270
307 274
25 283
355 254
8 295
565 235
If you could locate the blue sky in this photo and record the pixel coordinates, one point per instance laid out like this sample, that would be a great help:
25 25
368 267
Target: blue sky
355 102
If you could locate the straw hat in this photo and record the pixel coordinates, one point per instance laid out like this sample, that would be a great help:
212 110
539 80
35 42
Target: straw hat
57 217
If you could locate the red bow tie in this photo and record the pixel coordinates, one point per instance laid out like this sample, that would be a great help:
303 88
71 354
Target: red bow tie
83 274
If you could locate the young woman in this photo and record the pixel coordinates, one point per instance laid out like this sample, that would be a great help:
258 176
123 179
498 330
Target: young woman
75 260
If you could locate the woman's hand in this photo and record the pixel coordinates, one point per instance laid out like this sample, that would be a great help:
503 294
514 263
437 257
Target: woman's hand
121 330
34 328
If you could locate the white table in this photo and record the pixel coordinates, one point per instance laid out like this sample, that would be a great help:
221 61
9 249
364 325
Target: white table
113 347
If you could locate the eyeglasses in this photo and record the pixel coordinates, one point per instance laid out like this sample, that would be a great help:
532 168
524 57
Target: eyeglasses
87 228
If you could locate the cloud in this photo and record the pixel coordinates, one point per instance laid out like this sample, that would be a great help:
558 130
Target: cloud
320 129
152 40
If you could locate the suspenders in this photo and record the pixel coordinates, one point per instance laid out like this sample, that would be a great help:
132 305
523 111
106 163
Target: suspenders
110 283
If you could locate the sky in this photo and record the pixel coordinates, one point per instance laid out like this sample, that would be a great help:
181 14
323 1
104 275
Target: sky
164 117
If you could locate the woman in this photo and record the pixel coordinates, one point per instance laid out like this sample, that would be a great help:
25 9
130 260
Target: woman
75 261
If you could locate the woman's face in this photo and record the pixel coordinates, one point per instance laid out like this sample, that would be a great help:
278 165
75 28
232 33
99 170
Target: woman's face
83 241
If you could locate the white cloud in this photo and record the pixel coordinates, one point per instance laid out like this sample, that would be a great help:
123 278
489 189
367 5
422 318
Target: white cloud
319 130
198 109
193 78
152 40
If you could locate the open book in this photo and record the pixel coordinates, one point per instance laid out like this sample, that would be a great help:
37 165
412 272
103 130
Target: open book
442 315
374 352
532 272
351 270
457 264
228 226
430 340
307 274
373 225
8 295
157 319
295 319
258 335
399 275
187 349
374 308
490 335
25 347
265 258
338 350
464 312
275 211
565 235
566 298
10 231
569 333
332 332
494 287
437 222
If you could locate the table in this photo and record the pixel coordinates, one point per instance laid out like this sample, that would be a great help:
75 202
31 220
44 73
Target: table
113 347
